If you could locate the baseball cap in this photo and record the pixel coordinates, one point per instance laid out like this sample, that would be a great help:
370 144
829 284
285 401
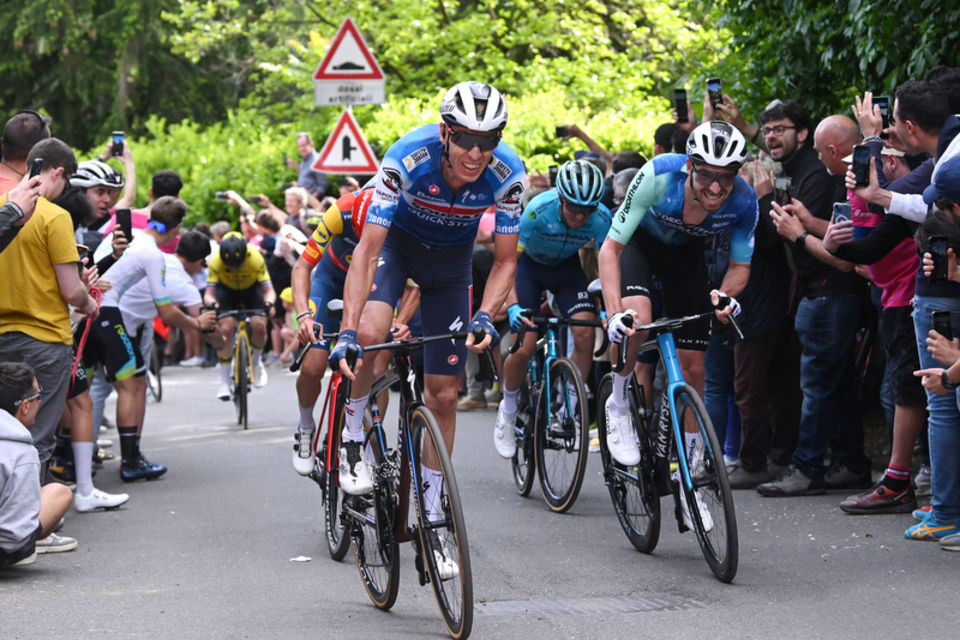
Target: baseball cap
946 182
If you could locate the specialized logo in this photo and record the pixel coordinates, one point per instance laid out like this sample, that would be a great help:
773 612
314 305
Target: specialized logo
418 157
456 325
500 169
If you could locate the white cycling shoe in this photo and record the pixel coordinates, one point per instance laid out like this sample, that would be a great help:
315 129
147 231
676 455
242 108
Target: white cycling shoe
223 391
504 436
621 438
303 460
705 516
98 500
355 478
447 567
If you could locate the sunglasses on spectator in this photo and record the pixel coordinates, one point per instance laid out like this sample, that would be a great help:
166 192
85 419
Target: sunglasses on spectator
35 396
777 130
703 178
468 140
578 209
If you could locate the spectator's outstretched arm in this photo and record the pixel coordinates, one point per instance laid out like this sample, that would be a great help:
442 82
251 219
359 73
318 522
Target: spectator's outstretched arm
575 131
730 112
129 197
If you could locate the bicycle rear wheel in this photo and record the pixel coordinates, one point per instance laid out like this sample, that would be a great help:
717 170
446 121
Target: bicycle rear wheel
241 378
370 520
633 490
561 439
714 520
338 542
154 381
443 541
523 462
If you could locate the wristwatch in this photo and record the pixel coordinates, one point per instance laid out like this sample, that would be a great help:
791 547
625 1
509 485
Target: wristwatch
946 381
801 239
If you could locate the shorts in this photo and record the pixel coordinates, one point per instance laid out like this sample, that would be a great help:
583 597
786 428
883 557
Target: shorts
899 339
327 285
79 384
25 550
444 275
238 299
111 347
682 272
566 281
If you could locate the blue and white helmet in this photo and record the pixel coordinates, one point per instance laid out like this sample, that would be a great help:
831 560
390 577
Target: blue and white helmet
474 105
580 182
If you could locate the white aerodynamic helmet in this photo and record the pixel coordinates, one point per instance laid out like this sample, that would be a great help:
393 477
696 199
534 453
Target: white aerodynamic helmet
93 172
474 105
718 144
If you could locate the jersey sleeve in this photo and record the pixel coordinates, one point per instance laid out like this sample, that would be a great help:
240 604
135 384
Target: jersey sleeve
214 267
391 181
528 224
156 274
641 195
330 226
742 238
508 196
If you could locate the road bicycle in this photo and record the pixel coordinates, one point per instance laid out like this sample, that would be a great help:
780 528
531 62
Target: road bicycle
241 372
552 428
378 522
695 478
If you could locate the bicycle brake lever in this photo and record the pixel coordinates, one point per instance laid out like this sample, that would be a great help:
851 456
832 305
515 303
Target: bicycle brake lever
622 347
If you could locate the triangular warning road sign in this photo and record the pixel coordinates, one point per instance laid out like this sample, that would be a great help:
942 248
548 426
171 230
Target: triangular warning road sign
345 151
348 58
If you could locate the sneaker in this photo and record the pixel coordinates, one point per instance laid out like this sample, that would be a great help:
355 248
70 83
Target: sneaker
354 471
621 439
951 542
260 376
56 544
504 436
493 397
102 455
791 482
98 500
195 361
303 460
223 391
922 481
841 477
23 562
881 499
705 518
142 470
929 530
740 478
471 404
104 443
63 470
730 463
923 513
447 567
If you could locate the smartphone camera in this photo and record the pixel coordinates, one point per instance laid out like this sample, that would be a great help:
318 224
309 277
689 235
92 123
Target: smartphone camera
563 132
221 196
553 175
938 250
36 167
883 102
861 165
715 89
118 143
84 251
943 324
680 104
841 212
782 190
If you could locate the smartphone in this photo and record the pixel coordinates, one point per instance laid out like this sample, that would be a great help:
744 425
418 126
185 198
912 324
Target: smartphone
938 249
884 103
942 324
84 251
841 212
37 167
118 143
782 190
715 89
562 131
553 175
221 196
861 165
125 223
680 104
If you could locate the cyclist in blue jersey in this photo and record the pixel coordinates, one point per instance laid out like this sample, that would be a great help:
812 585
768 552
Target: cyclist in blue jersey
553 228
431 190
673 203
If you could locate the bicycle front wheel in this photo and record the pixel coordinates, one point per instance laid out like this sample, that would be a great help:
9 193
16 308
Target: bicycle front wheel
443 534
714 519
561 439
329 459
241 378
633 490
523 461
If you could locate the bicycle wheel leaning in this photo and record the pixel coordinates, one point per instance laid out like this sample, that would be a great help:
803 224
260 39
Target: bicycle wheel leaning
523 462
444 540
154 381
241 363
371 526
328 465
561 439
714 519
632 490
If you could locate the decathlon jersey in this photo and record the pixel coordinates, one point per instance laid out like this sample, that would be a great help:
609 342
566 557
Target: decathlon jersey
654 202
142 259
412 194
547 239
253 271
333 241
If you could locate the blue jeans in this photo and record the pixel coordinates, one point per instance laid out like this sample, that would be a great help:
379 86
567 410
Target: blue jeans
827 328
718 393
944 420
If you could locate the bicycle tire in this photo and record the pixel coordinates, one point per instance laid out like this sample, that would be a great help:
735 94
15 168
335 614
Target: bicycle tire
712 492
561 440
338 541
375 547
242 376
523 462
154 381
632 491
454 594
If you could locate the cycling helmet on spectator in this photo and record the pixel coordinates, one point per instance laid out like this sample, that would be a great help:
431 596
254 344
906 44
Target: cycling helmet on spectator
580 182
360 206
92 173
233 249
474 105
718 144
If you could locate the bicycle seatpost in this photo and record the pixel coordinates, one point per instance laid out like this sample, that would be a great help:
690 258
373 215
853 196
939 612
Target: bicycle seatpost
622 347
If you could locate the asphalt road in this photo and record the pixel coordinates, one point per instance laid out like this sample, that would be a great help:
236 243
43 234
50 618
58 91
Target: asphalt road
207 552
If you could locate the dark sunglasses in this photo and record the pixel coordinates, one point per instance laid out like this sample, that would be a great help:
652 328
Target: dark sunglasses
467 140
578 209
704 178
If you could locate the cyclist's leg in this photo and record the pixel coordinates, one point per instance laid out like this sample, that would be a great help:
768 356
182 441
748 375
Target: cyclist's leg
226 301
569 289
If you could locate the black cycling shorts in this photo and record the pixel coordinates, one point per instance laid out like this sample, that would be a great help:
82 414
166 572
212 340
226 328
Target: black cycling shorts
238 299
111 347
566 281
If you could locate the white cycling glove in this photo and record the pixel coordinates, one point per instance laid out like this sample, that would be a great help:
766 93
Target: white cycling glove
733 304
617 328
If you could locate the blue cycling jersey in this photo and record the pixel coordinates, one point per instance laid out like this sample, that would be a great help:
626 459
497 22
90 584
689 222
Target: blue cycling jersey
412 194
654 201
547 239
